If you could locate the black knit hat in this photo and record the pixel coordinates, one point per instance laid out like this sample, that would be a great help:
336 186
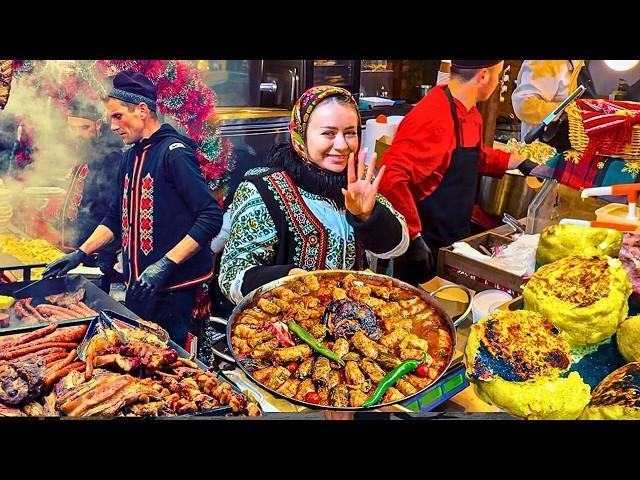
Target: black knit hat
473 64
133 87
84 108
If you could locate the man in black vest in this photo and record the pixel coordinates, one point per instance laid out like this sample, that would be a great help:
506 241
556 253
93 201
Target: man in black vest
92 186
164 213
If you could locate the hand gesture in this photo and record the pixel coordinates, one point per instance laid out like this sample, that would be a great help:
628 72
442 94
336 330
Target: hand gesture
360 195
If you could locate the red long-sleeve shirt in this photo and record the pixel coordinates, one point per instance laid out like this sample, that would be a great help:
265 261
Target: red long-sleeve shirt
421 153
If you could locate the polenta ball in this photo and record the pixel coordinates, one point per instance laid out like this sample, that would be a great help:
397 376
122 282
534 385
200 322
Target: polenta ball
617 396
559 241
585 297
628 338
516 359
6 302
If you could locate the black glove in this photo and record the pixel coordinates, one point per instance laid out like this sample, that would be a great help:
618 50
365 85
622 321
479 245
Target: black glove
105 263
153 278
65 263
527 166
420 253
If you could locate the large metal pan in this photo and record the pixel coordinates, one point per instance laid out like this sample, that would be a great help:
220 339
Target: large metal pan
253 297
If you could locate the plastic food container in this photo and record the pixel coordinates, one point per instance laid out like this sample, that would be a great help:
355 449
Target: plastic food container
487 302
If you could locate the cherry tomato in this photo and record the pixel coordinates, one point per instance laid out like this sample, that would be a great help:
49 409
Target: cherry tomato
324 298
292 367
312 397
423 370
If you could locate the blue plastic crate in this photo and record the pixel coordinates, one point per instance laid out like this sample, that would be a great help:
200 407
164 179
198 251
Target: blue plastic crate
450 384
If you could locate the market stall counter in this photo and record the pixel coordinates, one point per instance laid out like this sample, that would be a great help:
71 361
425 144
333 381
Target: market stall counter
558 349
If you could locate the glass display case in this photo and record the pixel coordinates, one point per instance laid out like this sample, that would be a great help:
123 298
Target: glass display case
340 73
376 79
234 81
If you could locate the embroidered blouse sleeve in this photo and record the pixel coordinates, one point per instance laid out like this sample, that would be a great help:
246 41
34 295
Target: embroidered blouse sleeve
251 241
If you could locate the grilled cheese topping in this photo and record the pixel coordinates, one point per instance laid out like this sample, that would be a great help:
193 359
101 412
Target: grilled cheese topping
518 346
581 281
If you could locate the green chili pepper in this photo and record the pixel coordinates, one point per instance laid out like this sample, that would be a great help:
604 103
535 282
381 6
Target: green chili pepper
313 343
390 379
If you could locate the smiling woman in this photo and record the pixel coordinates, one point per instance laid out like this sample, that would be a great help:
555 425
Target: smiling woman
315 207
332 135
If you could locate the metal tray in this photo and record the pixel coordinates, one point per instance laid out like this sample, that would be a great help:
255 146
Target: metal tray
94 298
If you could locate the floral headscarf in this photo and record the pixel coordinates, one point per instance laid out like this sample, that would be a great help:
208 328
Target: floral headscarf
302 112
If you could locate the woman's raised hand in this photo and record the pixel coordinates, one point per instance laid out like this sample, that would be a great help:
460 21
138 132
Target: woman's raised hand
360 195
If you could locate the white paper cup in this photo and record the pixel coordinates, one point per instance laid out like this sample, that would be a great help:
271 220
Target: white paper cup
487 302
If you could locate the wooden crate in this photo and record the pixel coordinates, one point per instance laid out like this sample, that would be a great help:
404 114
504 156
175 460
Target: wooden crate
477 275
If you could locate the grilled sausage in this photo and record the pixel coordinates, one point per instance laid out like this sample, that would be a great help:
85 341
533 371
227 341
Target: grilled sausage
28 337
50 379
19 352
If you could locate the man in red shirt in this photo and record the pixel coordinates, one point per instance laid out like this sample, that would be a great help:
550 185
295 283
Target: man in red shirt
434 162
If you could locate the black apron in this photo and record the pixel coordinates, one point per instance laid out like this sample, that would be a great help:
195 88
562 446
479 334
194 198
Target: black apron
446 213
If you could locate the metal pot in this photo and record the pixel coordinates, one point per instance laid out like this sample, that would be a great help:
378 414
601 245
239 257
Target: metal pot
253 297
509 194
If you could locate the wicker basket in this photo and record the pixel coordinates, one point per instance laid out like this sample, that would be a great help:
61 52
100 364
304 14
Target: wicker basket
579 139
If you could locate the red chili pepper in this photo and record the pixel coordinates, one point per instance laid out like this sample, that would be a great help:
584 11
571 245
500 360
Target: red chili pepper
312 397
292 367
422 370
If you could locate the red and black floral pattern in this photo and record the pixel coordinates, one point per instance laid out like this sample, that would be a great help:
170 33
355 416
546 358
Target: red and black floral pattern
146 215
125 212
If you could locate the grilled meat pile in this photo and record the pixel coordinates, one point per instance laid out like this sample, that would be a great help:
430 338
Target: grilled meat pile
31 362
135 374
106 394
182 387
21 381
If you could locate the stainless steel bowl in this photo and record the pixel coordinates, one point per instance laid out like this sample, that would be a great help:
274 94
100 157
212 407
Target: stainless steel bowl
509 194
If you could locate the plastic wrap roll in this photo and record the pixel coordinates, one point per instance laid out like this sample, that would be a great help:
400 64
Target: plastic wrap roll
374 130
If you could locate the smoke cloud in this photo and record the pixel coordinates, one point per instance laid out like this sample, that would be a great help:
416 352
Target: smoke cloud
55 150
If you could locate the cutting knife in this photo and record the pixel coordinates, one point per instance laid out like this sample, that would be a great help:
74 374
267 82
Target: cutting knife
554 115
15 294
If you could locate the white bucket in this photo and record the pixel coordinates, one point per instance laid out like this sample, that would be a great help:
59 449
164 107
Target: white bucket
487 302
373 131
